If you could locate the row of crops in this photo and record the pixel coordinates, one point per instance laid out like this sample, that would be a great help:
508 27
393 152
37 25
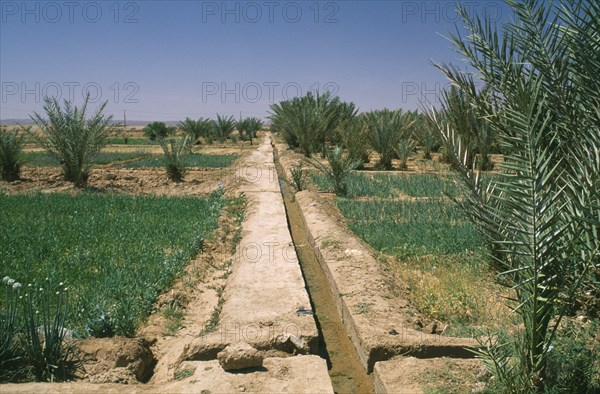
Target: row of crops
136 159
115 253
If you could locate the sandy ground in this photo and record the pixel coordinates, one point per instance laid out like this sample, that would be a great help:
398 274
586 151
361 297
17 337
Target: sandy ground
410 375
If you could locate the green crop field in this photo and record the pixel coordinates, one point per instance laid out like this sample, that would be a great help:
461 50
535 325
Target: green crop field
434 250
194 160
132 141
411 228
361 184
43 159
116 253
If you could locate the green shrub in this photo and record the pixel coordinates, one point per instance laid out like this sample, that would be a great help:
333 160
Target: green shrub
156 130
337 169
574 360
311 121
299 175
175 152
195 129
71 138
386 129
223 127
11 145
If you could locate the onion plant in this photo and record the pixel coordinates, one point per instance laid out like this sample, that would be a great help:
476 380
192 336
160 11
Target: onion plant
542 214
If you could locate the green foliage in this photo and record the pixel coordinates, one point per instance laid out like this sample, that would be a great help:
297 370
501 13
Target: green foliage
45 313
403 150
223 127
541 217
8 323
298 174
353 136
310 122
425 135
411 228
156 130
386 129
248 128
117 252
11 146
175 152
71 138
574 359
193 160
461 115
337 168
43 159
389 186
195 129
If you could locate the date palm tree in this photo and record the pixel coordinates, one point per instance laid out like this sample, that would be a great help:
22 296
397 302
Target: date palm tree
386 128
543 213
224 126
72 138
195 129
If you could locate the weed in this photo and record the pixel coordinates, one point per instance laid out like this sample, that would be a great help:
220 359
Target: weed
183 374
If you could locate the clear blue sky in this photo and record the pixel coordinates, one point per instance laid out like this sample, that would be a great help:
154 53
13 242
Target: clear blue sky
165 60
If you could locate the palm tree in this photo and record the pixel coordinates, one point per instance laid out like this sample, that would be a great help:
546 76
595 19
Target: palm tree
386 129
224 126
71 138
309 123
542 214
253 125
195 129
337 168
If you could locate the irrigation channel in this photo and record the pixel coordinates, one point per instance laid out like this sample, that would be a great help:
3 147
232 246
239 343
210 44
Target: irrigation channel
346 373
